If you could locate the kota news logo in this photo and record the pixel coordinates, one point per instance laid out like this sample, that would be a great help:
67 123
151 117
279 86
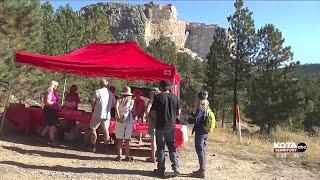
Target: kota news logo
289 147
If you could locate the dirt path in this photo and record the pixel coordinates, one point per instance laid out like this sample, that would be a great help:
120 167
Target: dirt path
25 158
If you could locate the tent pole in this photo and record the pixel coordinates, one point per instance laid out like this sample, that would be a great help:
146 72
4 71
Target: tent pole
64 89
4 112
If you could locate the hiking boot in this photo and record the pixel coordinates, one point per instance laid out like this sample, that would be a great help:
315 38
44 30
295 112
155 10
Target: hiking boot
118 158
91 148
129 158
198 174
53 143
159 174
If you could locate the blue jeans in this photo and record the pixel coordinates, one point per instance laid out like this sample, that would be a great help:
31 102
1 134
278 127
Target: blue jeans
166 138
200 145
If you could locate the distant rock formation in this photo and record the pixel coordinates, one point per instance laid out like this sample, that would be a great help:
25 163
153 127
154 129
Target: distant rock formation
163 21
199 37
152 21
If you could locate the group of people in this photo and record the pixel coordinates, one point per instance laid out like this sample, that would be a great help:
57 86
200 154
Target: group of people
162 110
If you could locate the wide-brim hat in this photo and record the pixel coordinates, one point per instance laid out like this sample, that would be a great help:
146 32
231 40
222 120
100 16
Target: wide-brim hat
126 91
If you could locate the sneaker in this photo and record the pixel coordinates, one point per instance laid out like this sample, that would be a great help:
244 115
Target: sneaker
129 158
198 174
53 143
159 174
91 149
118 158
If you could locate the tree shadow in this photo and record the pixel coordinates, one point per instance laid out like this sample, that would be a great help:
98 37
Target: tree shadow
54 154
32 140
80 169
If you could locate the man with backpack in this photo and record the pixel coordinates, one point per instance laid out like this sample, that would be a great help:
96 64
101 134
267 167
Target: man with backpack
204 122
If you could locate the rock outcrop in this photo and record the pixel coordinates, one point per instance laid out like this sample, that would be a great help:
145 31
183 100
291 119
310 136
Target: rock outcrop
152 21
199 37
163 21
125 19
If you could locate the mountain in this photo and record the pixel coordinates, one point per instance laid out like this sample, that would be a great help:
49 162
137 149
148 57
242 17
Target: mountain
309 69
151 21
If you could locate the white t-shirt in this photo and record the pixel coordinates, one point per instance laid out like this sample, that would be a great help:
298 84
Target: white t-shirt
104 100
125 111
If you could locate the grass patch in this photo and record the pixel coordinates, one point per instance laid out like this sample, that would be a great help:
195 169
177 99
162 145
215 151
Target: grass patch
260 147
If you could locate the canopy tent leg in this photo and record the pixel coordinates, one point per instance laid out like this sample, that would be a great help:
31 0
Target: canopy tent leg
4 112
64 89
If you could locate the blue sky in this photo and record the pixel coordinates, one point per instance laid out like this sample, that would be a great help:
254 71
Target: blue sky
299 21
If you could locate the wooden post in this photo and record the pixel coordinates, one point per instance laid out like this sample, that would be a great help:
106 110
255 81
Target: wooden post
238 122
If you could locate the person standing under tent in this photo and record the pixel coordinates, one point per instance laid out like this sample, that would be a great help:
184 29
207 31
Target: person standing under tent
151 122
113 89
71 103
72 98
139 109
50 108
124 122
166 108
102 101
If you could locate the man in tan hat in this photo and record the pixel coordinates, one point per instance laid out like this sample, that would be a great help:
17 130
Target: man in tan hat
102 102
124 123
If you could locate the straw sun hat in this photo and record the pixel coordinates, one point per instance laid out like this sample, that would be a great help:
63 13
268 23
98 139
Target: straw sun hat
126 91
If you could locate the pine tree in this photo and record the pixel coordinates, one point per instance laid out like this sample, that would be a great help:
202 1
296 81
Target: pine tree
218 71
273 94
188 85
48 25
243 49
139 40
303 116
96 25
68 29
20 30
163 49
190 69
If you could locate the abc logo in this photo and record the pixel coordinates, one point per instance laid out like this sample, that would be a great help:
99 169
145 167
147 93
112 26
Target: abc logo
302 147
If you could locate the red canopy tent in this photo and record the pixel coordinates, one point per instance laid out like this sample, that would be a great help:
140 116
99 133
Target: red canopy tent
119 60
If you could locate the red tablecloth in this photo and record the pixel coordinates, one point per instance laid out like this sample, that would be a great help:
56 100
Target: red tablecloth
27 119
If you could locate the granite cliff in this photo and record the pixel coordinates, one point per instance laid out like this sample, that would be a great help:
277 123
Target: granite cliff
151 21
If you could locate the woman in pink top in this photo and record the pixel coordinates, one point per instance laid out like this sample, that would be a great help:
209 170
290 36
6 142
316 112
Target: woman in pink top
51 106
72 99
71 103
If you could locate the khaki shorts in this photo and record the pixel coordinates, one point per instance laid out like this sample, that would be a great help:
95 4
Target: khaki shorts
95 123
124 130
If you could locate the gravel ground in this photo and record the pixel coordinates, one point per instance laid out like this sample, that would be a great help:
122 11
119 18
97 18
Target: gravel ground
28 157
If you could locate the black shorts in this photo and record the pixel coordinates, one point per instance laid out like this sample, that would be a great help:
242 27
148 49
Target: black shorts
50 116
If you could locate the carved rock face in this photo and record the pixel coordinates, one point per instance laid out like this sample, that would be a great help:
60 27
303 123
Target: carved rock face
152 21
